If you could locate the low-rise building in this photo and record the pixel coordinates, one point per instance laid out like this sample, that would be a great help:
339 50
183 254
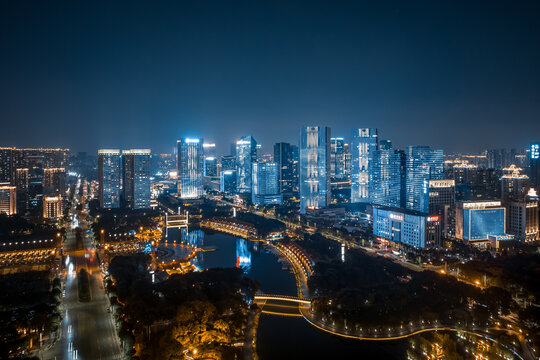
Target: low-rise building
407 227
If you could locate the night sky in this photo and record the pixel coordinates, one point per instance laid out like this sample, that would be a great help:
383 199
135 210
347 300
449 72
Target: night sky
457 75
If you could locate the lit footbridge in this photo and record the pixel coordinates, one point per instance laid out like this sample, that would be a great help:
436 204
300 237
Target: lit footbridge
266 297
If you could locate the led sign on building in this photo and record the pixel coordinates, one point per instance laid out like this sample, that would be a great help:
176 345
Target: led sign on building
535 151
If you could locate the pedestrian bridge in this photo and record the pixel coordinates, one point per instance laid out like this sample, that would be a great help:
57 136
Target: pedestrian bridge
295 299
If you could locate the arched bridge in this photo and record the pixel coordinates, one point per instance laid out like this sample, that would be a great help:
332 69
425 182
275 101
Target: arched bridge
295 299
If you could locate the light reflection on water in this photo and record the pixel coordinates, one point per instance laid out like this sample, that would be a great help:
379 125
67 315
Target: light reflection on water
279 337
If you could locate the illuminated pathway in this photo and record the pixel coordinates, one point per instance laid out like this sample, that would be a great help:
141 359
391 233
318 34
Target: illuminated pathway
302 273
88 330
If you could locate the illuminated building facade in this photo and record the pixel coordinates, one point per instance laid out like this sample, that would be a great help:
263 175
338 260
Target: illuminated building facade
6 165
422 164
8 199
22 185
54 181
228 162
136 186
534 165
337 158
210 160
190 168
406 227
246 155
441 202
52 207
364 142
523 218
265 184
475 220
315 189
227 182
385 184
283 156
109 172
514 184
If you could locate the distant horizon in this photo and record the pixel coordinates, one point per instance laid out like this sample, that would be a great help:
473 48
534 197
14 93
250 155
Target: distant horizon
265 148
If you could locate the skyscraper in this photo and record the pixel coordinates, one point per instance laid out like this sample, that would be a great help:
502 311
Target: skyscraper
52 207
228 162
314 167
210 160
227 182
246 155
441 203
283 156
8 199
190 168
109 178
337 158
6 165
385 184
422 164
534 165
54 181
265 184
136 187
364 142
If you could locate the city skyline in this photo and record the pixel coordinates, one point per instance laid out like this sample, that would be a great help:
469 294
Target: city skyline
425 74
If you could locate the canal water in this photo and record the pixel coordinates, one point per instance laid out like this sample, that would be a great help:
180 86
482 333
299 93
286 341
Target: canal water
282 337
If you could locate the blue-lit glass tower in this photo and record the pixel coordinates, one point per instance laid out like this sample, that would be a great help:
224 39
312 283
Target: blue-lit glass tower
534 165
190 167
109 169
422 164
385 184
136 187
283 156
210 160
364 142
246 155
265 184
337 158
227 183
314 167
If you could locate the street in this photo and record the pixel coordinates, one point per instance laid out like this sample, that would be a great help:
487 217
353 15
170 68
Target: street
87 330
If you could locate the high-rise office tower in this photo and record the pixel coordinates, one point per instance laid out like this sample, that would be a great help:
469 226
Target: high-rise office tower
296 168
522 220
283 156
6 165
228 162
265 184
52 207
422 164
514 184
534 165
136 186
314 167
190 168
385 144
385 184
109 169
54 181
22 185
227 182
337 158
364 142
347 161
246 155
210 160
8 199
441 203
